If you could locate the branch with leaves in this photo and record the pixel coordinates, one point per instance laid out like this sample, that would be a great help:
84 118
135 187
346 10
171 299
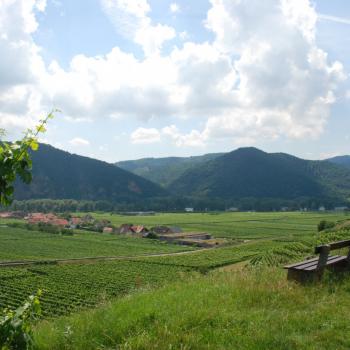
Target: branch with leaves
15 159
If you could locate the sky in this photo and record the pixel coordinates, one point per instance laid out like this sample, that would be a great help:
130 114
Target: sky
157 78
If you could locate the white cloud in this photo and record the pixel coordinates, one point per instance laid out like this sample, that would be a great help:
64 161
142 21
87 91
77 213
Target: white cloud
131 20
192 139
78 141
263 75
174 7
145 136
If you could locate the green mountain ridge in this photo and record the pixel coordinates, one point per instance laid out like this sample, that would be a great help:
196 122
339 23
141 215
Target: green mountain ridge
340 160
243 173
60 175
164 171
249 172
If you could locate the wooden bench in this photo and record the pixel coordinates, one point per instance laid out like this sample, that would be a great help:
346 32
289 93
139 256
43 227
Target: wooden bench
313 269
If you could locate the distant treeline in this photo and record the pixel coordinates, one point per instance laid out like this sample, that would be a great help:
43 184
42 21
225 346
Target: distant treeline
172 204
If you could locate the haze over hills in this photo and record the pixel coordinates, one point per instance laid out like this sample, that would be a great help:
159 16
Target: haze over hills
60 175
249 172
164 171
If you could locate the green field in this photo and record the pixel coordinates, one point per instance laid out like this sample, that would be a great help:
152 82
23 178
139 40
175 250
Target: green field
21 244
244 310
68 288
235 225
261 238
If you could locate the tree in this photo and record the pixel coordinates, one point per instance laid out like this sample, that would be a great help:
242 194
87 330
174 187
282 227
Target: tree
15 159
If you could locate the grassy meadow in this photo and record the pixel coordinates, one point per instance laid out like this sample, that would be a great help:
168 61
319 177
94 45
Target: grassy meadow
246 309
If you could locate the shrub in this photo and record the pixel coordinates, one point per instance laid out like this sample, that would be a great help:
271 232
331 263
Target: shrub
16 325
325 225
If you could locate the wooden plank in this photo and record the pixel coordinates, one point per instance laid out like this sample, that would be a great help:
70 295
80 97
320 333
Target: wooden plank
329 263
308 263
332 246
315 263
300 263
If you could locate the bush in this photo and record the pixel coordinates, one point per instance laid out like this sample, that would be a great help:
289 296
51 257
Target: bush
151 235
325 225
16 325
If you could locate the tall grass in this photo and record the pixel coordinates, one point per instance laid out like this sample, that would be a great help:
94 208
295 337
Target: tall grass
250 309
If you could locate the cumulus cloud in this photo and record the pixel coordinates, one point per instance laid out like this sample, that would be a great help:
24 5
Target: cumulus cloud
191 139
131 20
78 141
21 65
145 136
262 75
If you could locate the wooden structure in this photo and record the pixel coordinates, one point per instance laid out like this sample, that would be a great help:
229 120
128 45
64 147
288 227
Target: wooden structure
312 269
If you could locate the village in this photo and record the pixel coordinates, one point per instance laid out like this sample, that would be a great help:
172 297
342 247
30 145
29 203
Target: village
171 234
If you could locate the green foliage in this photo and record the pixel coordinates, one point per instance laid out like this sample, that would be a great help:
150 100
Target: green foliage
281 255
16 325
325 225
163 171
15 160
69 288
60 175
341 160
249 172
21 244
42 227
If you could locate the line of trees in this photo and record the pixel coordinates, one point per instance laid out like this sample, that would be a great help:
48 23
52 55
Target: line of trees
171 204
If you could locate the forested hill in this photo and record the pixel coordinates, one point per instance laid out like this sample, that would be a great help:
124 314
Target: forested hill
249 172
58 174
341 160
164 171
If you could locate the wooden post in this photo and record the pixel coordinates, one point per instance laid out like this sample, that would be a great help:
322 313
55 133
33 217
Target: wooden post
322 261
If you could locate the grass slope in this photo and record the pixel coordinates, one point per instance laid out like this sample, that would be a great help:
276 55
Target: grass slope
248 310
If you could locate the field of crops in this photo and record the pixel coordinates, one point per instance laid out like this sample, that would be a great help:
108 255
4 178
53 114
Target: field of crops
260 238
67 288
21 244
235 225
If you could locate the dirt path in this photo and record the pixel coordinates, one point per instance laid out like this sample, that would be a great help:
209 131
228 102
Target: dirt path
89 260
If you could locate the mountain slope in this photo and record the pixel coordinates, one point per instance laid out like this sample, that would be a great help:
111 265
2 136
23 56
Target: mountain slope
164 171
249 172
340 160
61 175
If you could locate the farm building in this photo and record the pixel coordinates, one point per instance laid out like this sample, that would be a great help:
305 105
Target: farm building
125 228
161 230
52 219
139 229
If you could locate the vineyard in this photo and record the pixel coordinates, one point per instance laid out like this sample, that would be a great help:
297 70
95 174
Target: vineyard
20 244
68 288
235 225
256 239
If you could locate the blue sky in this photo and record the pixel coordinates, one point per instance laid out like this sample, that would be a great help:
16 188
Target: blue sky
155 78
